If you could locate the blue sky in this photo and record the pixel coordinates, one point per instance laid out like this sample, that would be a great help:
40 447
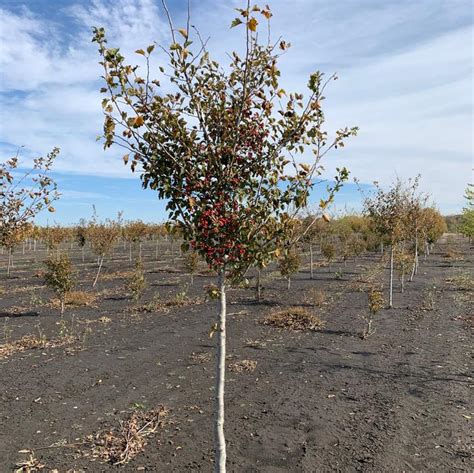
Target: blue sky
405 71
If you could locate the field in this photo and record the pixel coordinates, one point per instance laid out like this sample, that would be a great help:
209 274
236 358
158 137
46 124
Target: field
306 401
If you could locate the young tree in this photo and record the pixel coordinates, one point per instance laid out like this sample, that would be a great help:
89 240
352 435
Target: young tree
134 232
217 144
388 212
289 264
328 249
102 237
59 276
467 218
375 302
23 196
53 236
313 228
191 263
136 283
80 235
402 261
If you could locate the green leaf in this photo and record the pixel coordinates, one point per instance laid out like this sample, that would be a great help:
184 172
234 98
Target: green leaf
236 22
140 51
150 48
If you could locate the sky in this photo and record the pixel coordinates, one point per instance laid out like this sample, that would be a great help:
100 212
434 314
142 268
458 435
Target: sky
405 71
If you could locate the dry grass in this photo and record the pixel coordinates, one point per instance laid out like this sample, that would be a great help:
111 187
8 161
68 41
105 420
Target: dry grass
462 282
120 445
243 366
77 299
201 357
31 342
453 254
255 343
116 275
30 464
297 319
315 297
157 304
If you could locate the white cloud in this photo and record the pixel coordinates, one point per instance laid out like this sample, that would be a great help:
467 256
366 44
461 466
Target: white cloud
405 79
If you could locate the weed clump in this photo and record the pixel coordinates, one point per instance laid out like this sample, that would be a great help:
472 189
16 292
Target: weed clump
297 319
243 366
120 445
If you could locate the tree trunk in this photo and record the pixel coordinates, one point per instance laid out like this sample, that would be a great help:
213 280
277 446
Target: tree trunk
140 251
415 260
403 282
130 252
62 304
10 258
390 304
310 261
259 285
83 255
156 249
381 247
289 283
220 447
98 271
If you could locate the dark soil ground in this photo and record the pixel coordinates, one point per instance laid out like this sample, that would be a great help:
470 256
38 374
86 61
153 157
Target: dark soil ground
324 401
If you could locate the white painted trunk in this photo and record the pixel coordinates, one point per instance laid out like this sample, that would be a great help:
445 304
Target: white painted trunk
98 271
259 285
10 262
310 261
390 304
220 447
415 261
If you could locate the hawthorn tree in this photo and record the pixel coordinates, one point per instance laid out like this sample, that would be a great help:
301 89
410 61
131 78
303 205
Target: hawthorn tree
23 196
221 146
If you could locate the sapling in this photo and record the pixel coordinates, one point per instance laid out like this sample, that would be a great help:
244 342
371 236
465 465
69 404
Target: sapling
289 264
403 262
102 237
466 226
134 232
328 250
59 276
136 283
23 196
389 212
375 302
191 263
217 143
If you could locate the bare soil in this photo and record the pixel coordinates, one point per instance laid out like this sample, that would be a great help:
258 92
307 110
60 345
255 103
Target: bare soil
317 401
